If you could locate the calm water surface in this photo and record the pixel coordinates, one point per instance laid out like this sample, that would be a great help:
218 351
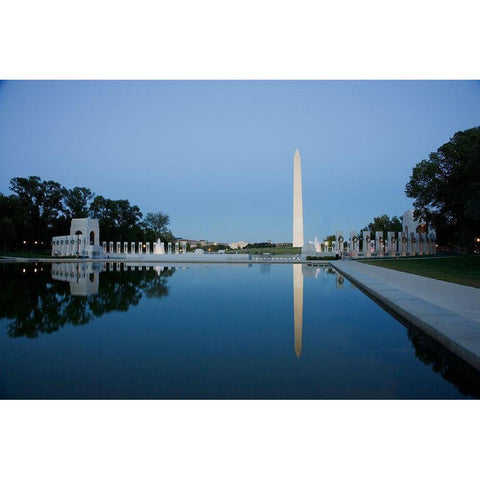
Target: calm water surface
89 331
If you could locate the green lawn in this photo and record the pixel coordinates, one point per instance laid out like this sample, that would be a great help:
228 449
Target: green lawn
272 251
25 254
464 270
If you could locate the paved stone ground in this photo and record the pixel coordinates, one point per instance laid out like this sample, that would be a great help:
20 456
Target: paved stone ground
448 312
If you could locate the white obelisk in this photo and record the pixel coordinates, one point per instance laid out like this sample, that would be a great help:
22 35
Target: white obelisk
297 201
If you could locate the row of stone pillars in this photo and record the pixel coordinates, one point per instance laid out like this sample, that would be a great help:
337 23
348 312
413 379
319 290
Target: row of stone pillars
394 244
143 248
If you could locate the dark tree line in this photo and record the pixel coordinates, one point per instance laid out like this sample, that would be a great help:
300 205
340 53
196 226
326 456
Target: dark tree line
446 189
38 210
385 224
260 245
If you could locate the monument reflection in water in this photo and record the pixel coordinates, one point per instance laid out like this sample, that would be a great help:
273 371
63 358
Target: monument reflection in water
122 330
299 271
84 278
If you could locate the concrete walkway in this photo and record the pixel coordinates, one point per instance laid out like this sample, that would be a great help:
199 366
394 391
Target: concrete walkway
447 312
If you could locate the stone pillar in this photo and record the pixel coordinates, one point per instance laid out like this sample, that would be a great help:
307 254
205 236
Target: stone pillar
140 247
415 243
433 247
184 247
379 243
147 249
367 236
421 243
125 247
104 246
177 248
339 240
118 247
354 244
403 244
392 244
132 247
169 247
110 247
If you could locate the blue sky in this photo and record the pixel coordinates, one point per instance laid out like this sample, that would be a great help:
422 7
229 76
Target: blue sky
217 156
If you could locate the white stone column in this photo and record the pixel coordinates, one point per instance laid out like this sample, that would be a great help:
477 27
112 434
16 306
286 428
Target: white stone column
177 248
421 243
184 247
403 244
379 243
392 244
354 243
104 246
118 247
147 247
125 247
415 243
433 246
367 236
132 247
110 247
169 247
339 240
140 247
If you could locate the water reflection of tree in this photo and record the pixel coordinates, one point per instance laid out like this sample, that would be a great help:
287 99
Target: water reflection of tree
37 304
467 383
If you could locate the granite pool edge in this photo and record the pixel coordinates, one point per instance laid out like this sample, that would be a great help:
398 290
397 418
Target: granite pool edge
451 330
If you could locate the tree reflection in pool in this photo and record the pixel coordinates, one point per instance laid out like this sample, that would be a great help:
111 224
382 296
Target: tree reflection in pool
40 300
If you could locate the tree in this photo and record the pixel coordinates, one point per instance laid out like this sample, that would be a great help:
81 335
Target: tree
446 189
330 239
14 223
157 223
385 224
118 220
37 305
42 204
39 210
76 202
260 245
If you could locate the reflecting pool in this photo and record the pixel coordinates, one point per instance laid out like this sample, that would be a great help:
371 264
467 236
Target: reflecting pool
261 331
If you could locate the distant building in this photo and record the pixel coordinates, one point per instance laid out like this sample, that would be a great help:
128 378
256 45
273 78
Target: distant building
191 243
237 245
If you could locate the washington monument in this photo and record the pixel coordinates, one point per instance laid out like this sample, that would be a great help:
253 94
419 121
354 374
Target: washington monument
297 201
